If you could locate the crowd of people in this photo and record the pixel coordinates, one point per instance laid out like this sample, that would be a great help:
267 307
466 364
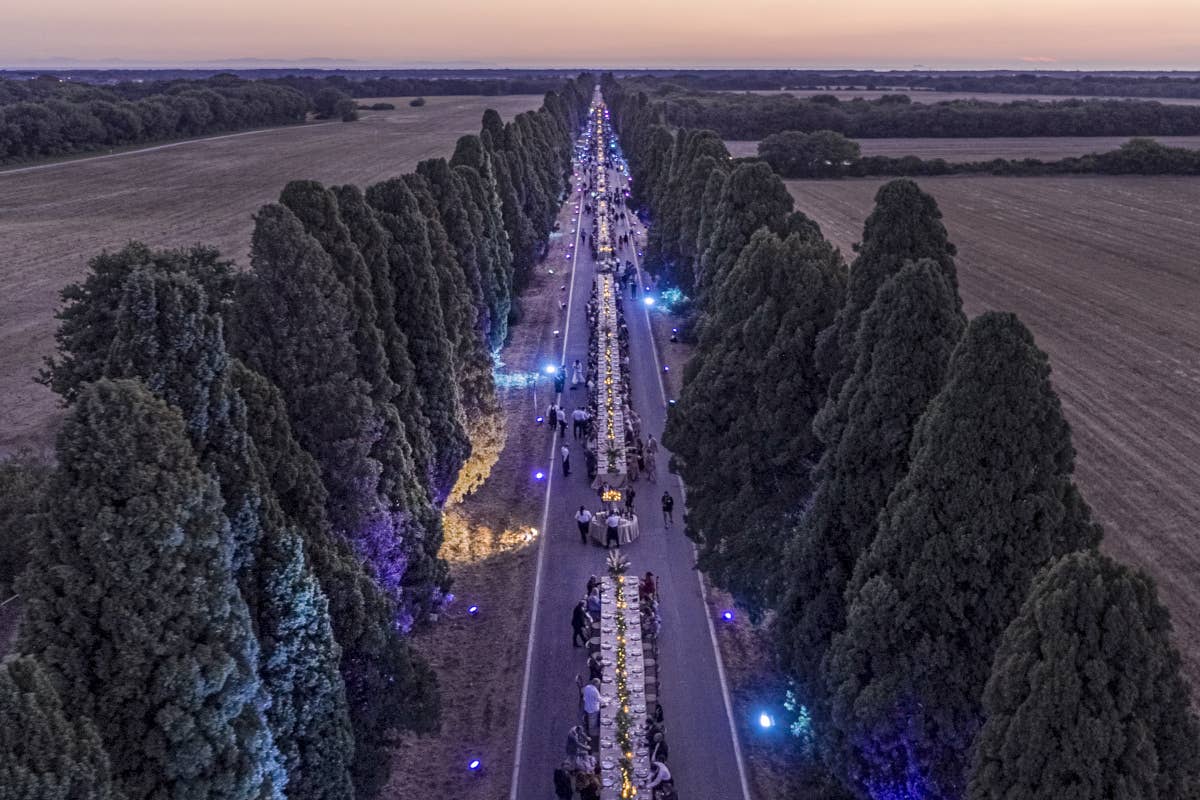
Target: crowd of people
579 774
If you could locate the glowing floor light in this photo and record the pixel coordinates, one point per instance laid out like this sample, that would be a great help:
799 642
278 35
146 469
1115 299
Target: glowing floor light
766 721
727 615
550 369
649 301
474 765
472 610
539 475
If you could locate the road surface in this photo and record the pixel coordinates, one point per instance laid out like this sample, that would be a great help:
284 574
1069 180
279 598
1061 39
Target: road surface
705 760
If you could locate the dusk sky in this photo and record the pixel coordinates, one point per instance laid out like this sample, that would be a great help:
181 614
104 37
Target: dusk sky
1155 34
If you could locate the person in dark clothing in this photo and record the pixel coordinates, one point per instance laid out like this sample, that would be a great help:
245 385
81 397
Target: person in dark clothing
564 784
579 621
629 495
668 506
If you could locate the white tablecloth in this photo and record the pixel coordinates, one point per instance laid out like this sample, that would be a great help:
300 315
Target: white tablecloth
610 754
628 529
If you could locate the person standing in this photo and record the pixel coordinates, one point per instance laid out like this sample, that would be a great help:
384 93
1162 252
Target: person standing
668 506
566 459
612 530
629 495
591 706
552 416
562 423
579 621
576 374
583 519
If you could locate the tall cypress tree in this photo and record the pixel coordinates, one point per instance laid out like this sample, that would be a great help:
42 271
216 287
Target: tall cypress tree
292 323
171 684
987 501
749 394
164 337
1085 697
388 688
904 344
419 314
89 307
476 382
753 197
45 752
454 211
317 209
374 242
905 225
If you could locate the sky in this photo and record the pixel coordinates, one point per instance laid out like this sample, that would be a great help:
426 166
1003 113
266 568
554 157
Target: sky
881 34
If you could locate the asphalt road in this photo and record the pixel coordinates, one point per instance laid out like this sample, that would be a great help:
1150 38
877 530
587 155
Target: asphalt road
704 752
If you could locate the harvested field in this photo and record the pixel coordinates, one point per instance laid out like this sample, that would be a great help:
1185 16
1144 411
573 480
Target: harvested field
1046 148
924 96
59 215
1104 271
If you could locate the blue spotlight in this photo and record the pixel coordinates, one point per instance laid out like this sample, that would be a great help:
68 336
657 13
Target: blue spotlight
727 615
766 721
472 610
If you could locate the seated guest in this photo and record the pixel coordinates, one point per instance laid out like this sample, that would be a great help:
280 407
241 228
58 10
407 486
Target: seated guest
660 778
647 587
593 603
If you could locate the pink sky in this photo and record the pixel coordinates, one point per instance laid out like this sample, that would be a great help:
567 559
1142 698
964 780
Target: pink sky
1153 34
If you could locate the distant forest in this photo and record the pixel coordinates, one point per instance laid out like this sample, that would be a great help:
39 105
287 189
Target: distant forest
48 116
755 116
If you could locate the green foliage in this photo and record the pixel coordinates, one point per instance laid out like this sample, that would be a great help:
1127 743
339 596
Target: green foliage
170 684
987 501
820 154
45 754
1085 698
22 504
905 225
903 344
329 103
741 428
753 197
419 315
89 308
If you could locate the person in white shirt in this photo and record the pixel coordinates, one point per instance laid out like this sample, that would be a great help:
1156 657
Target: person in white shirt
566 460
591 705
611 536
659 775
583 518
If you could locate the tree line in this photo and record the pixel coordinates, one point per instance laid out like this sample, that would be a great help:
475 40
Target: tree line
826 154
46 118
244 517
890 484
755 116
1058 82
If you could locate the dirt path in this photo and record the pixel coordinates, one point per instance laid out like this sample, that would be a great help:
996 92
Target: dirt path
205 190
1104 271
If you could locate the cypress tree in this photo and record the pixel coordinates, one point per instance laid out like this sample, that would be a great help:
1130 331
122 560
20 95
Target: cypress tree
317 209
292 324
22 501
418 309
753 197
904 344
89 307
388 688
495 259
710 201
1085 698
692 185
905 225
747 403
987 501
454 209
170 684
45 754
476 383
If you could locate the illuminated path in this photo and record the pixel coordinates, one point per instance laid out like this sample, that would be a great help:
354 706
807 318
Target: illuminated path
705 759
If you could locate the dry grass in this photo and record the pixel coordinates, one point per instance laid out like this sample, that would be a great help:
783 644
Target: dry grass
1045 148
1103 270
480 661
205 190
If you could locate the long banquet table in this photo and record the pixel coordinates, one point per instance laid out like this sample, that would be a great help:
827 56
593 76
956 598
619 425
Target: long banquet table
635 671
